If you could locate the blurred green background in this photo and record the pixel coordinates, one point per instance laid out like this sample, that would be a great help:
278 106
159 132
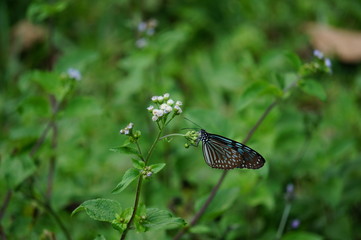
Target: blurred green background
226 60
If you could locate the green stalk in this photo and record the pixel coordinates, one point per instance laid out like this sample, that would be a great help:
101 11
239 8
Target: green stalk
139 185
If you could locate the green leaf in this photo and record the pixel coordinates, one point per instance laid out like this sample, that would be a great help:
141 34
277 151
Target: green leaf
157 167
138 164
125 149
313 88
161 219
50 82
129 176
16 169
300 235
100 209
294 59
223 201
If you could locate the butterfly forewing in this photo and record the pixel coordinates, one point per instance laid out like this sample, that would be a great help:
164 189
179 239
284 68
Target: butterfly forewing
224 153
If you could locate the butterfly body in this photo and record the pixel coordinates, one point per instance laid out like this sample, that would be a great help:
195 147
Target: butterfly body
224 153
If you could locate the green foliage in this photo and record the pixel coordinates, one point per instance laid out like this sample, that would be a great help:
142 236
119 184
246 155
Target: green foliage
100 209
129 176
227 61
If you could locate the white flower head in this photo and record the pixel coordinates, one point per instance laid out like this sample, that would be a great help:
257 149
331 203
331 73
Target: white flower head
179 103
166 96
328 63
318 54
168 109
141 43
178 109
74 74
154 98
150 108
130 125
170 102
142 26
154 118
160 99
126 131
163 106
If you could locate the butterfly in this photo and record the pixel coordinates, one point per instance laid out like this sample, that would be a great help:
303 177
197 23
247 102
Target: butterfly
224 153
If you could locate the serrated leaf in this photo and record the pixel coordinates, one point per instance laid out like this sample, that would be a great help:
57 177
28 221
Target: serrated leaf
100 209
313 88
139 164
157 167
129 176
161 219
124 149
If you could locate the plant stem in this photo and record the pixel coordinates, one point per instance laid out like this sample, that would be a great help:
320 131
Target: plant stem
139 185
281 228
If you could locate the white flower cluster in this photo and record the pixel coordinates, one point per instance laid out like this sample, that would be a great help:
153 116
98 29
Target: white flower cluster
319 55
145 30
165 106
127 129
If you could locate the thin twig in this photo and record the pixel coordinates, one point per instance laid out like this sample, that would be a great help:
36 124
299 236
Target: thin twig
5 203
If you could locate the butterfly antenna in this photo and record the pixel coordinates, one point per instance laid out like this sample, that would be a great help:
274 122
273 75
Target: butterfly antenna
192 122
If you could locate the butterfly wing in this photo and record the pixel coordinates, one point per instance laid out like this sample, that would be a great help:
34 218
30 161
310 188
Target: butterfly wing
224 153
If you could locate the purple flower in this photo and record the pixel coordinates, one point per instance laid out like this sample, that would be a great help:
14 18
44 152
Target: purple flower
295 223
290 188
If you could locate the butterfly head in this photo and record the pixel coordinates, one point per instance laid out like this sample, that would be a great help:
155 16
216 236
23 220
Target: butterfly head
203 135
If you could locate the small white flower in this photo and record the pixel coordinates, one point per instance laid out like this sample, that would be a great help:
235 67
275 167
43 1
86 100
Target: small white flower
318 54
160 98
177 109
130 125
141 43
74 74
126 131
154 118
142 26
163 106
121 131
150 108
170 102
158 112
154 98
328 63
166 95
179 103
168 109
149 174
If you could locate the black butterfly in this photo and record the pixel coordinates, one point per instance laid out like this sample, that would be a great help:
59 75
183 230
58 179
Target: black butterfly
224 153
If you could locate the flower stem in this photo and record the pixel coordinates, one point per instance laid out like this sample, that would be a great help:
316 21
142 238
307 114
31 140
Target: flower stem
281 228
139 185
